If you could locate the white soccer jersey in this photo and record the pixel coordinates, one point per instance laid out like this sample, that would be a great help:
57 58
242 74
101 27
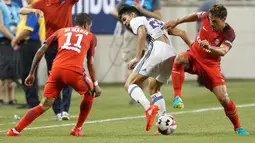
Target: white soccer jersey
152 25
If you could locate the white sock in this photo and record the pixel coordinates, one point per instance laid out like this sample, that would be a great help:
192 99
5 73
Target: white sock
137 94
15 131
158 100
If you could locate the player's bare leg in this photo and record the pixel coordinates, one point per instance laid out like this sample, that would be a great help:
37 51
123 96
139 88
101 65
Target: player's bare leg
85 108
181 63
135 92
31 115
229 108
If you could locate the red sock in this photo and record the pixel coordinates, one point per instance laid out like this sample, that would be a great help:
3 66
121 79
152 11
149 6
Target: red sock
230 111
85 108
177 79
29 117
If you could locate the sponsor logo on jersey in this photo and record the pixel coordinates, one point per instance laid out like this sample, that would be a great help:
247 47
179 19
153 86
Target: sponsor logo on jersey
205 29
217 41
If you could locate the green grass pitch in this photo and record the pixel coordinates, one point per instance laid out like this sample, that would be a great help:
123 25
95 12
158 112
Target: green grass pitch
206 126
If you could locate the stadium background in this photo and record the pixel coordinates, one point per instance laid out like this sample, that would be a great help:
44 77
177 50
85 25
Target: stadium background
237 64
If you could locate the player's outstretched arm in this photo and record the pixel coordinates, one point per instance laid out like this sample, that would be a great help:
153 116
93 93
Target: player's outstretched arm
38 56
141 38
182 34
188 18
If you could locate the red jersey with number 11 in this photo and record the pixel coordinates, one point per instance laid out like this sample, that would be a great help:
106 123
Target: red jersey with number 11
73 44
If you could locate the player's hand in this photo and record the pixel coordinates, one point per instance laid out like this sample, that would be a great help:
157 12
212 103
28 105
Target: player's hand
97 91
132 63
137 6
14 44
170 24
38 12
204 44
30 80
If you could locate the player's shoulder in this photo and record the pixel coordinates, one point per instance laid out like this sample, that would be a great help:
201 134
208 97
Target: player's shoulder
229 32
138 19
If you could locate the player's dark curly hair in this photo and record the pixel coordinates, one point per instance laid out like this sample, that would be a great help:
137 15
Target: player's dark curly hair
219 11
127 9
83 19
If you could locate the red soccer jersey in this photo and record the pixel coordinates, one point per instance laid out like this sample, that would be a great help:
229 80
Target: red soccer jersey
57 13
73 44
227 36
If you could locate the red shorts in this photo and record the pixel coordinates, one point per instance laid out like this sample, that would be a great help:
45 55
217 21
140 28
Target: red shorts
58 78
210 74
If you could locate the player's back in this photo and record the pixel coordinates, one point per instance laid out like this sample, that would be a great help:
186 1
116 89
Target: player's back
152 25
73 45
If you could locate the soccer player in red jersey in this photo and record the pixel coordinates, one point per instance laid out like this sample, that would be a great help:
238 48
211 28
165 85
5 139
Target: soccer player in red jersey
74 44
57 14
213 41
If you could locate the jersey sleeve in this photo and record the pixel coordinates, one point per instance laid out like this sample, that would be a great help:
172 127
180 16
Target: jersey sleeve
38 4
74 1
93 44
31 22
135 23
202 15
52 38
229 37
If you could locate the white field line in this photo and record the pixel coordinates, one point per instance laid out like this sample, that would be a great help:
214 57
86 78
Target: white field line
135 117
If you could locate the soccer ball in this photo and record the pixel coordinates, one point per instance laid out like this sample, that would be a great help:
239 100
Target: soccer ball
166 124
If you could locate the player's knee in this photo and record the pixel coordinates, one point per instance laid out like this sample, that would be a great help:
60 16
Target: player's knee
180 58
153 90
45 106
224 100
154 87
46 103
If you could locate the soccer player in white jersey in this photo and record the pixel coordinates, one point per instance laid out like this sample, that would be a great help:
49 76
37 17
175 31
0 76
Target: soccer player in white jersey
156 62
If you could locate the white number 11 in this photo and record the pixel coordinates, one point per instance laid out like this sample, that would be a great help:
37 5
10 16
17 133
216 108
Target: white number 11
68 39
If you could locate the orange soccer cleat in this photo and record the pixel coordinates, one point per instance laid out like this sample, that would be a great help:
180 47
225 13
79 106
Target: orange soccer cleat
13 132
150 116
77 132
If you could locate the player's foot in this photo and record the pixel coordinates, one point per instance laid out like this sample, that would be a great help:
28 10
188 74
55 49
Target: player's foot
13 132
150 116
178 103
65 116
241 131
59 117
77 132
